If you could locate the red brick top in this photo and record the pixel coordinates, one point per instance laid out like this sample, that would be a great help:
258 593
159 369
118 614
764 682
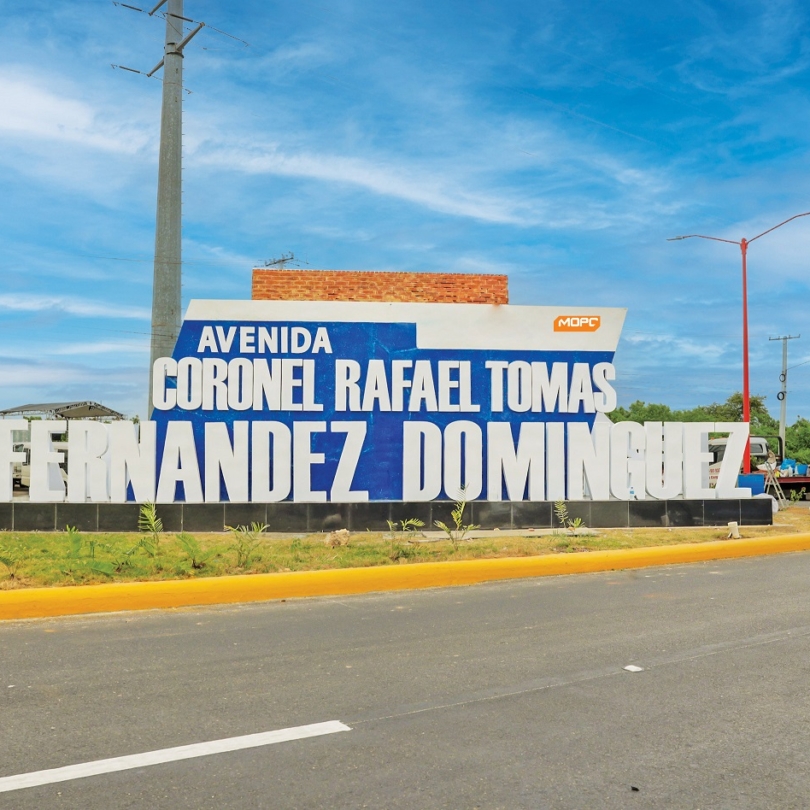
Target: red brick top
365 285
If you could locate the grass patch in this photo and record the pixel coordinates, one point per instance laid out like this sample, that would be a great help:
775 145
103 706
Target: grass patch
38 559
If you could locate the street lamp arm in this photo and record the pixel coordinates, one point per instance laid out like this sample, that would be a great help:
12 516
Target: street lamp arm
701 236
805 214
743 245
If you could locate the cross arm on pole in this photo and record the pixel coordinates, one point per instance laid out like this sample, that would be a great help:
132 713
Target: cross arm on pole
178 48
156 68
182 44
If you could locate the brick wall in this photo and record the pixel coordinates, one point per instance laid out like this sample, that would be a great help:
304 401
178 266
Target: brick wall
364 285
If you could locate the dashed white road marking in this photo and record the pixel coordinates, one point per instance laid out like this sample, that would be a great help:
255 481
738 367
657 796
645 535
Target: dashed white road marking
100 766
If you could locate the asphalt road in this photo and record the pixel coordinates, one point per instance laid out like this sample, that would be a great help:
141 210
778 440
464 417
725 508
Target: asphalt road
510 695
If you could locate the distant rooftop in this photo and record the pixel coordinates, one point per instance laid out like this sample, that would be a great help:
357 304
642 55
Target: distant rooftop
64 410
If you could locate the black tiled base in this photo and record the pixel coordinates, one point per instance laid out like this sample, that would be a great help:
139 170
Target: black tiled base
286 517
720 513
756 512
374 516
172 515
422 510
236 514
327 517
609 514
82 516
118 517
647 513
684 513
203 516
491 514
6 517
371 516
531 515
35 517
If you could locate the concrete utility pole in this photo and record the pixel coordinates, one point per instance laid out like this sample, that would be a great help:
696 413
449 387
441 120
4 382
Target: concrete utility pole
166 296
782 395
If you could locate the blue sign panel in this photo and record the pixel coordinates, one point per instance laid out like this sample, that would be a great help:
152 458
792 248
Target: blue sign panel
381 402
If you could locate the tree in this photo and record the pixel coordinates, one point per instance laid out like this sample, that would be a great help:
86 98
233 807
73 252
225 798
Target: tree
642 412
728 411
762 423
797 439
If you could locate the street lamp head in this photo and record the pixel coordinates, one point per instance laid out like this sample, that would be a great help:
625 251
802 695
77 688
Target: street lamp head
702 236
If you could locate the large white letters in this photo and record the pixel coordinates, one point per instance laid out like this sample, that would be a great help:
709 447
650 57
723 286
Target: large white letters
47 485
132 460
87 443
8 456
179 465
515 466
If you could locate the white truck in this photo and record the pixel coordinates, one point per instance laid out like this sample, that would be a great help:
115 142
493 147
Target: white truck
759 450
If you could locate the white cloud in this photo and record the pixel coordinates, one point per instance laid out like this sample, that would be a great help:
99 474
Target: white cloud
669 345
420 187
103 347
14 375
736 57
72 306
31 110
122 387
302 55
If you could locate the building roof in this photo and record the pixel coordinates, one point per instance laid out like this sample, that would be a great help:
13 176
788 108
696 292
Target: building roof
64 410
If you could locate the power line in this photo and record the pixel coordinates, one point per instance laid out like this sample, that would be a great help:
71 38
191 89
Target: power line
162 15
223 263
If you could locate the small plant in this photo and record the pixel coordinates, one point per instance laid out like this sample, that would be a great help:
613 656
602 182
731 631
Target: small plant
795 496
196 556
147 546
459 530
246 540
561 512
100 567
566 522
399 532
122 559
12 557
74 541
76 565
74 550
149 523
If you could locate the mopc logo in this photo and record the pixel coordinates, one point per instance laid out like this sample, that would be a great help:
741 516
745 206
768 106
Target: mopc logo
577 323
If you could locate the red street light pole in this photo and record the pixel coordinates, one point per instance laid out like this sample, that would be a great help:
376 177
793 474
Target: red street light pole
743 244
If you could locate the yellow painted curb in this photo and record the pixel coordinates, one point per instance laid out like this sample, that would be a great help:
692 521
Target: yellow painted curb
32 603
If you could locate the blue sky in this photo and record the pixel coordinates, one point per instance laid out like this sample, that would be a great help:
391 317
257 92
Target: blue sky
560 143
